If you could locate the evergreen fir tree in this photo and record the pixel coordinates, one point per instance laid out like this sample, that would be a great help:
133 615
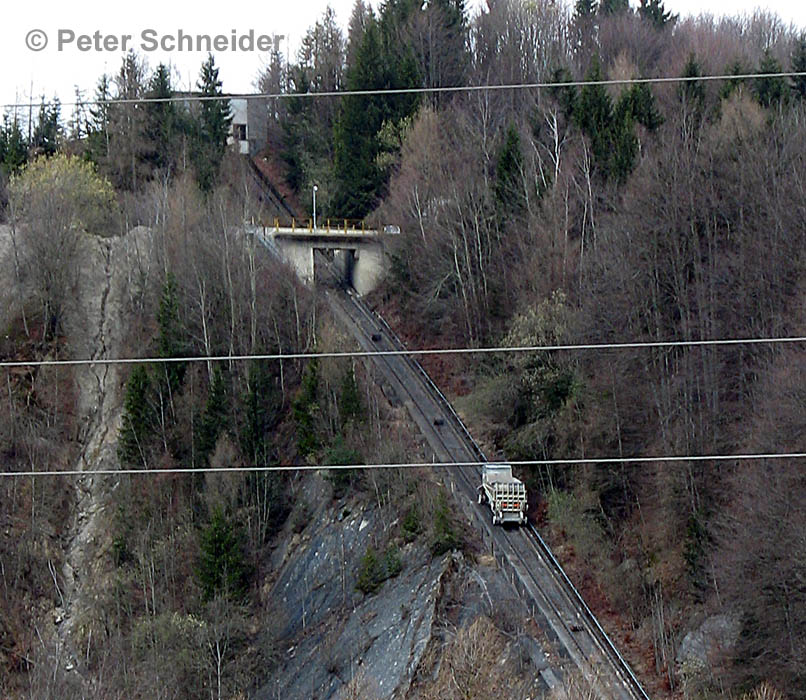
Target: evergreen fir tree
400 65
215 418
350 408
341 454
613 7
222 568
583 26
566 96
162 121
444 537
273 81
136 424
692 92
396 13
304 410
170 340
509 192
370 573
358 176
47 132
359 19
454 11
799 66
212 128
98 125
15 153
642 106
78 126
610 129
654 12
584 10
772 90
124 157
593 114
259 413
294 126
379 61
624 148
448 61
737 67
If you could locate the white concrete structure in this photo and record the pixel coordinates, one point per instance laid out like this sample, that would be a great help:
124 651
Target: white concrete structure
249 127
239 130
359 254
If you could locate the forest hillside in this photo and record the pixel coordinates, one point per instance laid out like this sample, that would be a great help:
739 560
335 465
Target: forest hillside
592 207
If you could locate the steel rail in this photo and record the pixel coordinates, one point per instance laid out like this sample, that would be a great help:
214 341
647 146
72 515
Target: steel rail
606 645
600 639
621 668
577 653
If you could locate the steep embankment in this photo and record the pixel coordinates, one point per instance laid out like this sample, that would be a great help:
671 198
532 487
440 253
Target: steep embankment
95 323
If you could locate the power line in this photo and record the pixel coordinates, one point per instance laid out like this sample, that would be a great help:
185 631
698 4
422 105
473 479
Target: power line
415 90
7 364
413 465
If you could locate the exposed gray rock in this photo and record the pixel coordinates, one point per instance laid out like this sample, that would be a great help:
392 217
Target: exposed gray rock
336 642
340 633
96 325
711 640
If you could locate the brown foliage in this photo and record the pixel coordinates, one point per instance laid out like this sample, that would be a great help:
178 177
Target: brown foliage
761 557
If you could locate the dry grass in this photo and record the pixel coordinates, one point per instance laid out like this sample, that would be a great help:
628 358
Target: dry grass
470 667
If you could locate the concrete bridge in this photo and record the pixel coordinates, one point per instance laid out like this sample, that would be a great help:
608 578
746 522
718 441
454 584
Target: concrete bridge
359 252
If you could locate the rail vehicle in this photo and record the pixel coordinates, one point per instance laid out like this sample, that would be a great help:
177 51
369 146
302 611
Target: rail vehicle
505 494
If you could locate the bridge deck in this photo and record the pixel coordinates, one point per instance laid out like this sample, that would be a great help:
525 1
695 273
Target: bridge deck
326 227
323 232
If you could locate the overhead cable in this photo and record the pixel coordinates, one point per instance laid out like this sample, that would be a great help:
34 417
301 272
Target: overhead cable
256 468
541 85
503 349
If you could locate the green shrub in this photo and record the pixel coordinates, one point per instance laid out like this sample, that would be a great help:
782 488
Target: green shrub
558 387
371 573
120 550
578 518
411 524
391 561
444 538
342 479
374 570
350 406
301 516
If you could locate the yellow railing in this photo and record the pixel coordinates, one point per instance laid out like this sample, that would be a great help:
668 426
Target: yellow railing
327 225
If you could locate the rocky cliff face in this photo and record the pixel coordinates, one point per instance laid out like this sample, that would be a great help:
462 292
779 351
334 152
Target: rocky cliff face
444 626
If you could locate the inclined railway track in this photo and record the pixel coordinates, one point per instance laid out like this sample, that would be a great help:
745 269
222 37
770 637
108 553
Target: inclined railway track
534 569
534 566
